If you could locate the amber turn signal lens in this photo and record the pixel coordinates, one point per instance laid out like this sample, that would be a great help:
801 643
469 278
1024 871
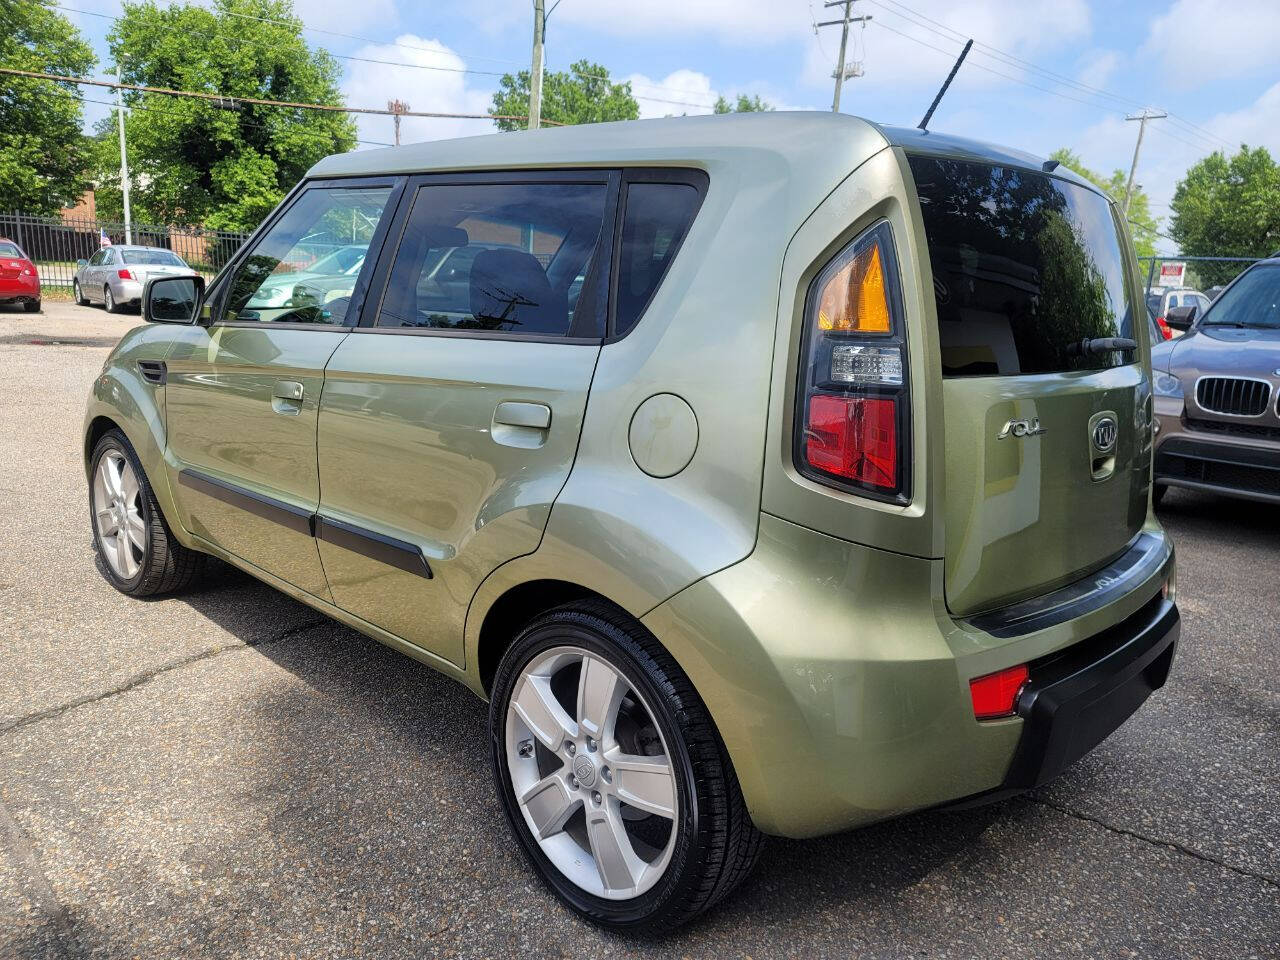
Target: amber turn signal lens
855 299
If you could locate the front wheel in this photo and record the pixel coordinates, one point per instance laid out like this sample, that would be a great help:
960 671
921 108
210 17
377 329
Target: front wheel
612 775
140 555
81 299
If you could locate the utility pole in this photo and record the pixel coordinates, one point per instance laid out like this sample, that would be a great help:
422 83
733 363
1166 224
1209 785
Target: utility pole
397 107
1142 128
843 70
535 75
124 162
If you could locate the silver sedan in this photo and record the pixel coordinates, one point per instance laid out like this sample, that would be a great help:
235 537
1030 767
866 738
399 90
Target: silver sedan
115 275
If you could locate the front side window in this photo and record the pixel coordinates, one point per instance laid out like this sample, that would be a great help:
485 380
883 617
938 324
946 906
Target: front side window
499 257
151 257
97 258
1026 267
300 270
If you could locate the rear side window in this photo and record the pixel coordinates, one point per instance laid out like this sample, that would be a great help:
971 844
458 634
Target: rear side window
1025 268
499 257
656 218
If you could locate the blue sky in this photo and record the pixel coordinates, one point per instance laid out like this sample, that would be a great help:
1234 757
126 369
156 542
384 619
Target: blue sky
1213 66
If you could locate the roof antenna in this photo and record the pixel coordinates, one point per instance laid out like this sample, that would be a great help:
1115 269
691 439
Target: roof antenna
924 124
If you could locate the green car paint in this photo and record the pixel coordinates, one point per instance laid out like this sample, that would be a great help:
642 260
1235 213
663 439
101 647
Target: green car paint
830 635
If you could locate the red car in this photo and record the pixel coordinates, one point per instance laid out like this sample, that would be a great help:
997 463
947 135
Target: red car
19 282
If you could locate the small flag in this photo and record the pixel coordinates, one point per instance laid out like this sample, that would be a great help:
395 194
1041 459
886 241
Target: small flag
103 239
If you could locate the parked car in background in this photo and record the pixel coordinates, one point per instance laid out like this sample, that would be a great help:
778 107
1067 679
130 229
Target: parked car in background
1162 301
115 275
768 473
1213 292
19 279
1217 394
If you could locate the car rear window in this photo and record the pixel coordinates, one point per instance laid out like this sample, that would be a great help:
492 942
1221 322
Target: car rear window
9 250
1025 267
156 257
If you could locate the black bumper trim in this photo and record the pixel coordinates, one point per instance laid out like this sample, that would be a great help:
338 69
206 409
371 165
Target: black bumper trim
1079 696
1076 699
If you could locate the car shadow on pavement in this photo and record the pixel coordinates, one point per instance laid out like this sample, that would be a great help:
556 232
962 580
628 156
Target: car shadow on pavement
387 767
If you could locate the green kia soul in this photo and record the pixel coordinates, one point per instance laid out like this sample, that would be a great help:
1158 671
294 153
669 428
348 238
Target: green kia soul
768 474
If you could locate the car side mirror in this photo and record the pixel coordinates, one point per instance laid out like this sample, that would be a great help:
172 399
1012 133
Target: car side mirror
82 262
173 299
1181 318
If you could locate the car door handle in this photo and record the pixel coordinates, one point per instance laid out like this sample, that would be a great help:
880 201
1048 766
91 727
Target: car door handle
514 413
288 390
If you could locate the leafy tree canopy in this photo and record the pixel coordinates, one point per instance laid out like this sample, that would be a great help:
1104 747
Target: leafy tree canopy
1228 208
1144 228
582 94
742 104
192 161
42 151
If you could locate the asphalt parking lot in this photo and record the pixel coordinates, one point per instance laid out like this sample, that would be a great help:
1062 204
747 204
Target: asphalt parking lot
228 774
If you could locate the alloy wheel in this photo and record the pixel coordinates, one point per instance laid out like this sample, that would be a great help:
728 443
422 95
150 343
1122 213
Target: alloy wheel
591 773
117 514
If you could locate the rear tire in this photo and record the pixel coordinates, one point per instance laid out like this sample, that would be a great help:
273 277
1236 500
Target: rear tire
1158 490
140 556
32 306
652 829
109 301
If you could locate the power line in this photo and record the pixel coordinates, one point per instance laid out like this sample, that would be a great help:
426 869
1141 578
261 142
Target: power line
1009 59
403 46
258 101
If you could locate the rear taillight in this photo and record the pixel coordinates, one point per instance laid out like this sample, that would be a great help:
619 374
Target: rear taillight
996 694
1166 331
125 274
852 410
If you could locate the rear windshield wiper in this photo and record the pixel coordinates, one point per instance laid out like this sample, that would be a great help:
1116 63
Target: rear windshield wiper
1089 346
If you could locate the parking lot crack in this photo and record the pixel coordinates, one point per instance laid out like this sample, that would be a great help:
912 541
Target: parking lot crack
1158 842
147 676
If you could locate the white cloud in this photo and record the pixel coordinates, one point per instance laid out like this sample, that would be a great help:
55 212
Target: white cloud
441 89
1096 67
681 92
1192 43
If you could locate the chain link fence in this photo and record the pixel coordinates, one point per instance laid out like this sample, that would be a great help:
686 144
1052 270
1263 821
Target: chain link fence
55 244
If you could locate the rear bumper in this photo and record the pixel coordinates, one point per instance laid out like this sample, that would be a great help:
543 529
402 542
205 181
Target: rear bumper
126 291
1078 697
840 682
1244 469
19 288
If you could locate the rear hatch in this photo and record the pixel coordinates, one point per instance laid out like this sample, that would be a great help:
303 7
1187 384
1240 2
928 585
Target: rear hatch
1047 441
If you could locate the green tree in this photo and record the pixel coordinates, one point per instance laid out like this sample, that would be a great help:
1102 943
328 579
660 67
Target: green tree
1144 228
742 104
196 161
582 94
1228 208
42 151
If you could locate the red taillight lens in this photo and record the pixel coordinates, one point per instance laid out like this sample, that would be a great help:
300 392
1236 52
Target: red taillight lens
852 409
996 694
1166 331
855 438
125 274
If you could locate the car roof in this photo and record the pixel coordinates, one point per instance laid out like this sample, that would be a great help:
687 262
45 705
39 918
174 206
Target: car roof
809 147
138 246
